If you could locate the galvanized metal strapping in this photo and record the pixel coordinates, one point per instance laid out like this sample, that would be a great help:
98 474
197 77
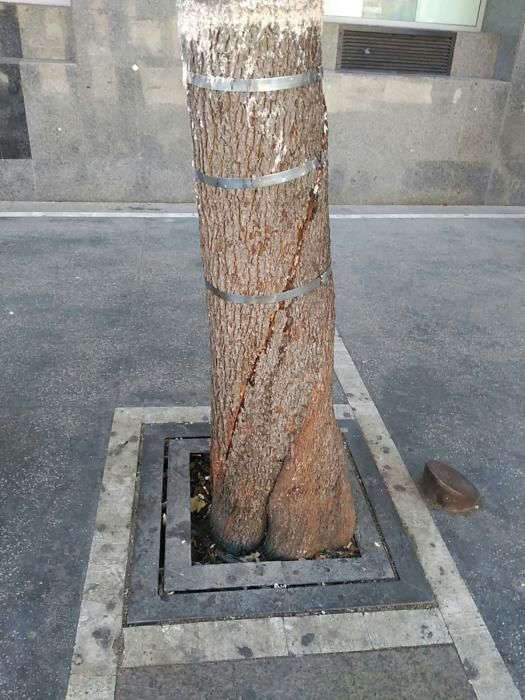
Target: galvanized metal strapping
245 183
283 82
272 298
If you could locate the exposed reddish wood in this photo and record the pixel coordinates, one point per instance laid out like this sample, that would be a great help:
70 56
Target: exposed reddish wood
278 464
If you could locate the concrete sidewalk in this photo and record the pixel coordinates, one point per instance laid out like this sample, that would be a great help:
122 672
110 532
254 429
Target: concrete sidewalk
109 312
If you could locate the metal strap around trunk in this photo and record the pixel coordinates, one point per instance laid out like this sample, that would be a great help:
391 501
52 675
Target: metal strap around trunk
272 298
283 82
246 183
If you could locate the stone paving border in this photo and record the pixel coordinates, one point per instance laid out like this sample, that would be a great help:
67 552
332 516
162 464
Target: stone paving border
101 643
97 647
163 645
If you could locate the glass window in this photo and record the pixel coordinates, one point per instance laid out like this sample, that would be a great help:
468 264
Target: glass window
399 10
445 12
448 11
344 8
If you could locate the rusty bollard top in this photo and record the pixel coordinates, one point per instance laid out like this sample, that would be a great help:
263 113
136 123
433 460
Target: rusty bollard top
446 487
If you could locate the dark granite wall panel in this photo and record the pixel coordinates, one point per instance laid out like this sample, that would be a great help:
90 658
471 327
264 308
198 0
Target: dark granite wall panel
14 137
10 40
36 32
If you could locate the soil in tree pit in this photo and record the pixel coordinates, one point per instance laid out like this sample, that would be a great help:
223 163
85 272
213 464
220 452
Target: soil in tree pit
203 548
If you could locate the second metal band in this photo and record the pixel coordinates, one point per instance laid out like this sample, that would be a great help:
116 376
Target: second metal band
245 183
272 298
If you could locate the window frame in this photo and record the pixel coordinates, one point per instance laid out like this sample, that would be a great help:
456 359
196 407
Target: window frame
45 3
347 19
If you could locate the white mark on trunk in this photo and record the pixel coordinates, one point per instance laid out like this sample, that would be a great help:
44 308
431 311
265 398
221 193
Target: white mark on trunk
197 18
281 150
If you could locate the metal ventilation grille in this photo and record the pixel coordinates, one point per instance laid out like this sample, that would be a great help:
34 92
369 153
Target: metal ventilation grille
399 52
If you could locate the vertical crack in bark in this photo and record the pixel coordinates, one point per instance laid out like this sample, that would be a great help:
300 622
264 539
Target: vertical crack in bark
296 435
250 381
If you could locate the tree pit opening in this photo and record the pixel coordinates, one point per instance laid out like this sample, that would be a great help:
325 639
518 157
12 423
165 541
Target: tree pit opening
204 550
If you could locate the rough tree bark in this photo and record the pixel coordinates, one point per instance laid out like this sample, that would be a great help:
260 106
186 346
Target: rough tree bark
279 469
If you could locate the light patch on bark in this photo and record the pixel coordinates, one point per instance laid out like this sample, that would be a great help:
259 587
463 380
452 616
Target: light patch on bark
199 20
280 151
198 16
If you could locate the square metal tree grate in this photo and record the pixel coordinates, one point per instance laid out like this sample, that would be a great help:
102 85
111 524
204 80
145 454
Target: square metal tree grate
164 585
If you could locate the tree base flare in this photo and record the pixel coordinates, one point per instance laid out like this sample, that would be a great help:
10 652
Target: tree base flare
310 507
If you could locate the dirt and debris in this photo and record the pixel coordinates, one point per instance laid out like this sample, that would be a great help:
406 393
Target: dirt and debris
203 548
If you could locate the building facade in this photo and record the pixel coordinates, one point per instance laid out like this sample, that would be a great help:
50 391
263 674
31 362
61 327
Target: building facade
426 101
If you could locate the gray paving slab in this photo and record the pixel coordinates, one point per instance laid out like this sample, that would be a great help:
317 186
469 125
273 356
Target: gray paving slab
404 674
432 314
66 308
49 480
171 363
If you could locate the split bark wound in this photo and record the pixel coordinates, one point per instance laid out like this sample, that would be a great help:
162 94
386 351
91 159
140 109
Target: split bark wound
279 468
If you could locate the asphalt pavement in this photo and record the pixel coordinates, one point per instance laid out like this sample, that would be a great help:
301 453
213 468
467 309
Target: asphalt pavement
99 313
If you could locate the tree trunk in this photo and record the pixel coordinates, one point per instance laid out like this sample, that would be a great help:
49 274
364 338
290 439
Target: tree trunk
279 468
